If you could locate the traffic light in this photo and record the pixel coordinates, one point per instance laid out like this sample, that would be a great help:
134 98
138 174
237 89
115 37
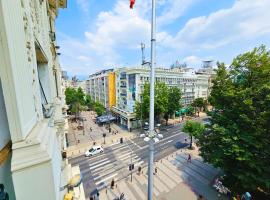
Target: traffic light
131 167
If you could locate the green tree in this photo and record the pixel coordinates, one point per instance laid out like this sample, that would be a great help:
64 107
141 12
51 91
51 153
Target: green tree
198 103
75 99
161 101
174 102
89 102
99 108
239 139
194 129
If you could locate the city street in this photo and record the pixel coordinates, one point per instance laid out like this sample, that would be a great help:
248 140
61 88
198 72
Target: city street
98 171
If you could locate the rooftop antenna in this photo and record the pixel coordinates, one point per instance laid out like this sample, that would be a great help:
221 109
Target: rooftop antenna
142 48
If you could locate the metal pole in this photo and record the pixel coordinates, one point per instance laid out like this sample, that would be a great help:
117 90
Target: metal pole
152 95
141 114
131 165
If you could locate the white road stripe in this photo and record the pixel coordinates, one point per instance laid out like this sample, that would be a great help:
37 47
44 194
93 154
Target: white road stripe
123 155
105 179
128 156
103 175
113 144
133 160
95 166
94 163
135 144
100 169
117 149
139 163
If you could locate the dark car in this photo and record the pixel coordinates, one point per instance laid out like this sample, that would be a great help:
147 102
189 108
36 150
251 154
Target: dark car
180 145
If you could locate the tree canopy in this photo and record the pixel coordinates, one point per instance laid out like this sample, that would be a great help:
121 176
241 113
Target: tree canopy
239 139
99 108
166 100
75 99
194 129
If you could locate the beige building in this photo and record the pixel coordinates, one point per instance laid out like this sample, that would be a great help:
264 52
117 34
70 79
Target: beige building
32 123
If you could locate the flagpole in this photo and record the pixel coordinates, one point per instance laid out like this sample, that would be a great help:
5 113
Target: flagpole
152 96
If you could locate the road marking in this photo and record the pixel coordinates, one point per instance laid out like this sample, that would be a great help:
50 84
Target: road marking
107 172
98 170
105 179
94 163
133 160
122 147
113 144
135 144
139 163
127 156
161 141
94 167
124 155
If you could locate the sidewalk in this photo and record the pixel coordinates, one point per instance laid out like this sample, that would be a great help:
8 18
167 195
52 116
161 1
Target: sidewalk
175 179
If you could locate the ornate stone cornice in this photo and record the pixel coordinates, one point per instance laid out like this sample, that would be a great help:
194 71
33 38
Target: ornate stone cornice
37 148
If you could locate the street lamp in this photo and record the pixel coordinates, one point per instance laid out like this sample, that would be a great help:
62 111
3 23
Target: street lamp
152 133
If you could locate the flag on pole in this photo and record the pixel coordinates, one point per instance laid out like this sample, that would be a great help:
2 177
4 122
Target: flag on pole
132 2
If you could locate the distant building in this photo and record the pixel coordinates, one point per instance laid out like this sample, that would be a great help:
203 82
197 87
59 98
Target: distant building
130 83
32 114
64 75
101 87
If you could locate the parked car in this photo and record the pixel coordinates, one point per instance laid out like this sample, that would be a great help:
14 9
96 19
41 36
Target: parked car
180 145
94 151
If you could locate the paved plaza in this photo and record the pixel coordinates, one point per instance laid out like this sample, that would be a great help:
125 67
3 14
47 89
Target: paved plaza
175 179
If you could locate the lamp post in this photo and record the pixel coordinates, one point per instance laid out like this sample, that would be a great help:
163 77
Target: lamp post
152 95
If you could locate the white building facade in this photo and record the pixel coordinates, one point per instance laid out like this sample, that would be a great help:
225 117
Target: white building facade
130 83
97 86
32 122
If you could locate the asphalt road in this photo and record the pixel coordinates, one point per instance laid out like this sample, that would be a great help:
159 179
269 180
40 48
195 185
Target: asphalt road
98 171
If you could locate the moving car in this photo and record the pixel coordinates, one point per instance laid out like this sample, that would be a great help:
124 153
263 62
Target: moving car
94 151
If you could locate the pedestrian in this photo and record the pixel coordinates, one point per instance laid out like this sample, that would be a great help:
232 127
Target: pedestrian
90 129
112 184
155 170
97 195
189 158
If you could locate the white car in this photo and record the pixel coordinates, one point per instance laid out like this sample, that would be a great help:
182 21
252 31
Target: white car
94 151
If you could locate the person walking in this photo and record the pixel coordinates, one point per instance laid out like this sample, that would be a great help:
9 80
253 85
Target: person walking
189 158
155 170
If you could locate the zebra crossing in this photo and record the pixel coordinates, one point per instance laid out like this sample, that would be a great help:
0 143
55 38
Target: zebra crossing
98 171
175 179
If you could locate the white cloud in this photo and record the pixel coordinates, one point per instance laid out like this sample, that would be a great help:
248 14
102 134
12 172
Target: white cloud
173 9
122 29
245 20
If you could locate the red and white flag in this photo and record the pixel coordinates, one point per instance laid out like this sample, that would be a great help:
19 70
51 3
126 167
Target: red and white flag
132 2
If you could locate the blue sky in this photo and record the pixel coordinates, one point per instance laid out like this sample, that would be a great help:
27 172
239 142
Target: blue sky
100 34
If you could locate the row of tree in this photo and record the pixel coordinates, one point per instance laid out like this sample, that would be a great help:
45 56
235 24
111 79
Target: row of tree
78 101
238 139
167 101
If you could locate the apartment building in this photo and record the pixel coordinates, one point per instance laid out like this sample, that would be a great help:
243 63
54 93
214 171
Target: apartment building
32 107
101 87
130 83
